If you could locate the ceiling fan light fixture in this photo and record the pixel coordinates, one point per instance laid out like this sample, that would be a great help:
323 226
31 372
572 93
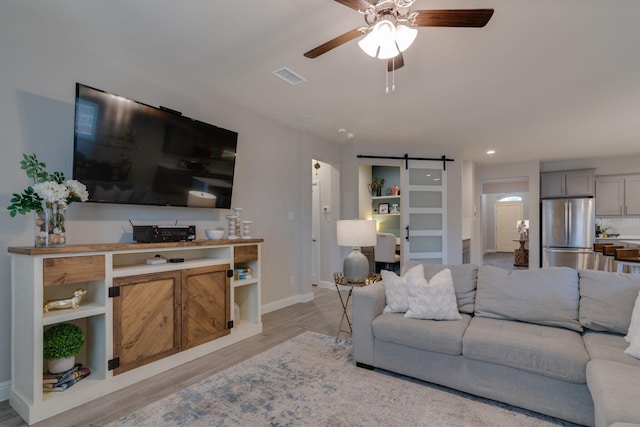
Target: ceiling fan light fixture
405 36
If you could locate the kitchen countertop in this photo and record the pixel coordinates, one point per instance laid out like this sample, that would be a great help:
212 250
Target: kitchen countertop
620 237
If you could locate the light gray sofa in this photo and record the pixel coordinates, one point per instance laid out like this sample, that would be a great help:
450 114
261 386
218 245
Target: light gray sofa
548 340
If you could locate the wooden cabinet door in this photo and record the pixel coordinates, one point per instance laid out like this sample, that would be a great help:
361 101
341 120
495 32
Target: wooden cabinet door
205 304
609 196
146 319
632 195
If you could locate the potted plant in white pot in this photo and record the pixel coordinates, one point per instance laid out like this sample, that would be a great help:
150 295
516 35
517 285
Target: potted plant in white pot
60 344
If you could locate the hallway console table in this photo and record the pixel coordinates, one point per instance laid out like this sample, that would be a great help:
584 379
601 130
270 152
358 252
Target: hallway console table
139 319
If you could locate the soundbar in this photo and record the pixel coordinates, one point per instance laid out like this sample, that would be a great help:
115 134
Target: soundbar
159 233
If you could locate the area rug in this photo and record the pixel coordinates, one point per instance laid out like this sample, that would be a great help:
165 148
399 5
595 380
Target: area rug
311 380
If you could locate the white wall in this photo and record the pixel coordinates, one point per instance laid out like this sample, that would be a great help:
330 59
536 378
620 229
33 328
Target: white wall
39 68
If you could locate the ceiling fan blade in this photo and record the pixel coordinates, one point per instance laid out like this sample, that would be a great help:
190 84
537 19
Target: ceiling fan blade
359 5
333 43
451 18
395 63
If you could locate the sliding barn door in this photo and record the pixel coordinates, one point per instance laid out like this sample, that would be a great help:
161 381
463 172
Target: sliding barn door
424 216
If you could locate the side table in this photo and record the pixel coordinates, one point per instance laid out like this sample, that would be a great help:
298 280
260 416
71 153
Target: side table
340 280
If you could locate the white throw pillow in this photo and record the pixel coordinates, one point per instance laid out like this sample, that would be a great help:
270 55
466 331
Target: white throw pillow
434 299
633 337
395 288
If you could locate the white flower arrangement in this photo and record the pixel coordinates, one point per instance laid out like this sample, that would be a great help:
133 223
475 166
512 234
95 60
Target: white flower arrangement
61 194
48 189
49 196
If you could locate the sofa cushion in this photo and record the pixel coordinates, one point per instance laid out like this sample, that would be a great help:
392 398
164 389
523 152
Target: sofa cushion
434 299
553 352
464 276
615 388
607 299
547 296
608 346
430 335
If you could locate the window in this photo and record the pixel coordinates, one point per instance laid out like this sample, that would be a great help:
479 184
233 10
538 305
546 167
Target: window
509 198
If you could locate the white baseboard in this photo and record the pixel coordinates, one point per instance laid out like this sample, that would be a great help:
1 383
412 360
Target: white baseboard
4 390
328 285
277 305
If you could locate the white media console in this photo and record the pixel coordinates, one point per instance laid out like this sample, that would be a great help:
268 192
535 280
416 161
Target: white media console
127 302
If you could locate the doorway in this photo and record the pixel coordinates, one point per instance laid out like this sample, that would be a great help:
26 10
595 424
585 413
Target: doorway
508 214
506 191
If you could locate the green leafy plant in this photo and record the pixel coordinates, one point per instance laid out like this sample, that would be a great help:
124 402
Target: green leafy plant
62 340
50 188
377 184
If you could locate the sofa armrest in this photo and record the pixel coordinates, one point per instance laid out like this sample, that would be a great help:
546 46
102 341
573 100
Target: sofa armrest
368 303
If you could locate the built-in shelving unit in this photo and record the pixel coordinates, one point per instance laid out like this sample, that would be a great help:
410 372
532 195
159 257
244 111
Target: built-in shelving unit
42 274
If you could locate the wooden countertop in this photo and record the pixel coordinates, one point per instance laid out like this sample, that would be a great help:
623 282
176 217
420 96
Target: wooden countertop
113 247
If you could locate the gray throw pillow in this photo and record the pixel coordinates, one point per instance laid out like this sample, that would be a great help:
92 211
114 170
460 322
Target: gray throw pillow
547 296
607 299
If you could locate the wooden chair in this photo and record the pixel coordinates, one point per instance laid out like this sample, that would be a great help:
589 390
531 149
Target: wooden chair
609 252
599 260
629 259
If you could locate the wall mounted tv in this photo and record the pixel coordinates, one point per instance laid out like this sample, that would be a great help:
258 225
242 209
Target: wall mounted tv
127 152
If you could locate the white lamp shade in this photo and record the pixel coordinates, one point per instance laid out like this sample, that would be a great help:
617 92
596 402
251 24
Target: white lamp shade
405 36
200 199
386 32
356 232
369 44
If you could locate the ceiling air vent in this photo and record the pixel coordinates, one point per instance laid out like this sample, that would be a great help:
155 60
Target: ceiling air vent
289 76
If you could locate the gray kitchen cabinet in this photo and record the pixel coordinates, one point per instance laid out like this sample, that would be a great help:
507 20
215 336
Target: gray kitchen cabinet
566 183
618 195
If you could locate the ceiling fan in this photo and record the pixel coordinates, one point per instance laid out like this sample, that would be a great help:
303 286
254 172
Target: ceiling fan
390 28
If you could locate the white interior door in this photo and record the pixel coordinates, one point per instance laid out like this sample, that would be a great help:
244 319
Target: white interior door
507 216
315 230
424 213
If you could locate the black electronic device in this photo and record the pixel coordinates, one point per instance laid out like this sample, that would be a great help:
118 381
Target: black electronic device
159 233
127 152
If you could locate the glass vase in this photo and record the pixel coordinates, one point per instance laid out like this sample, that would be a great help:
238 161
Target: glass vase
50 226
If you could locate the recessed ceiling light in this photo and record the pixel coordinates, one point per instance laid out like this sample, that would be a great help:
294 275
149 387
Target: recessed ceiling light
491 151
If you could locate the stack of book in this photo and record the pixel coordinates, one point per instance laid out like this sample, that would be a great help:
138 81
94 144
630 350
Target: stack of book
242 273
64 380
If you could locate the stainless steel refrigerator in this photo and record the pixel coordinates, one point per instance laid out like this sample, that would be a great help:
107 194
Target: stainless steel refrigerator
568 232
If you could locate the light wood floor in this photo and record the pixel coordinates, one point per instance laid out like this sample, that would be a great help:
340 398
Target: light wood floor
322 315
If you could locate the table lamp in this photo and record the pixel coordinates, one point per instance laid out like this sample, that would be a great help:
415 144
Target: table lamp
356 233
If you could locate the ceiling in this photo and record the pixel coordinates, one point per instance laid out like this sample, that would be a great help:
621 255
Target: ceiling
544 80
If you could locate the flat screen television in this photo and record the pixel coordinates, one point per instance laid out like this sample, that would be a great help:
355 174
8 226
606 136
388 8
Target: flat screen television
127 152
